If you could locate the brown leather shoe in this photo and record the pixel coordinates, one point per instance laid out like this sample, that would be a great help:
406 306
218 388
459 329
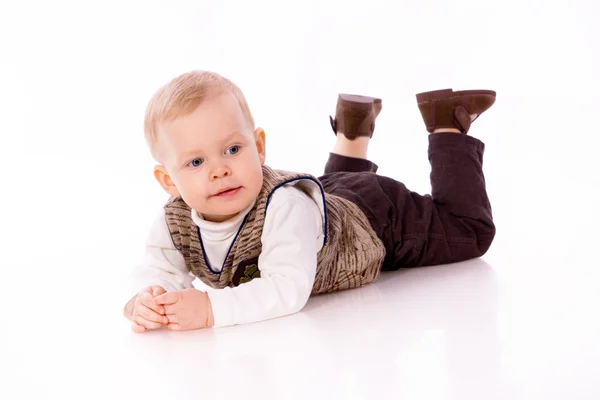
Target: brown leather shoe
355 115
449 109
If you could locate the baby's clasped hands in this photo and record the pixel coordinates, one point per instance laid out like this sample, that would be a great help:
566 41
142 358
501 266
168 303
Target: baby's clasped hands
155 308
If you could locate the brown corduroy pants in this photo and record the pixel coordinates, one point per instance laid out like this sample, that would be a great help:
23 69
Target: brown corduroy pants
452 224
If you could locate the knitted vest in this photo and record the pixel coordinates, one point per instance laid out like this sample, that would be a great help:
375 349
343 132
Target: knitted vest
351 256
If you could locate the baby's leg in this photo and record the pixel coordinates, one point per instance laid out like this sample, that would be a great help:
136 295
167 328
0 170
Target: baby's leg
353 126
455 223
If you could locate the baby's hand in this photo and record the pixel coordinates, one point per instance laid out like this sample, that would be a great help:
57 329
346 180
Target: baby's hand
187 309
146 313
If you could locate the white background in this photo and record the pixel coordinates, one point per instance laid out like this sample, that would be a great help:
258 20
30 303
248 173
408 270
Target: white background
77 196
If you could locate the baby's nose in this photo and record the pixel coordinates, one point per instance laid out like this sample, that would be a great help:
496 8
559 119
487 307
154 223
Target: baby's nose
221 172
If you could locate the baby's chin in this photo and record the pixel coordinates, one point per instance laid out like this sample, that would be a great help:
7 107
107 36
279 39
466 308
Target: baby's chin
218 218
222 214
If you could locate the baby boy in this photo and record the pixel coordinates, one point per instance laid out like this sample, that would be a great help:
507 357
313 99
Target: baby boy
263 239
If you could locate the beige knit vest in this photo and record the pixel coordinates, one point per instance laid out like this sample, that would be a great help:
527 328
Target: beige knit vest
351 257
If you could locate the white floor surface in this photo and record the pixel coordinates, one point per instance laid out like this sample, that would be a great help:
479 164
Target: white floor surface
77 197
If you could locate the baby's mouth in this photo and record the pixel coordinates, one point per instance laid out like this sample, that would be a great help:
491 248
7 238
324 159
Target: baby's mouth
228 192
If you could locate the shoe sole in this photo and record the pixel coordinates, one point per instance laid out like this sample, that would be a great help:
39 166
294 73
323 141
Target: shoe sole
445 94
473 101
355 101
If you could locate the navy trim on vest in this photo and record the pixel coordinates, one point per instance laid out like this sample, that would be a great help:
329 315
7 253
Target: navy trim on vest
322 196
228 251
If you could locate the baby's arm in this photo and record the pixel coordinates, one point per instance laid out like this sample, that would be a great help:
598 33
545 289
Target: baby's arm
292 237
162 269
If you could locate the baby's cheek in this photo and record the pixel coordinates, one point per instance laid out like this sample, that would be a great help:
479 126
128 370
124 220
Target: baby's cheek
258 180
199 199
194 196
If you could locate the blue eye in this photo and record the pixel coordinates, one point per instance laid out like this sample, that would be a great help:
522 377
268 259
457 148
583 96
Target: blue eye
233 150
195 162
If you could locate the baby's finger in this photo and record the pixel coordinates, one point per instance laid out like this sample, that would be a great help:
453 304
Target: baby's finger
157 291
168 298
175 327
172 318
147 300
150 315
147 324
171 309
137 328
146 290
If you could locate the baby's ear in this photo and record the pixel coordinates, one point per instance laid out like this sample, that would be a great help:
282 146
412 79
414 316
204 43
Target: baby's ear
163 178
260 140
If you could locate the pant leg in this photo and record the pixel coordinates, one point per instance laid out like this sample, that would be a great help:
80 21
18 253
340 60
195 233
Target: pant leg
453 224
339 163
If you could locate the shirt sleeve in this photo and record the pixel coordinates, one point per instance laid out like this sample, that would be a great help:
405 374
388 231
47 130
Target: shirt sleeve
291 239
162 264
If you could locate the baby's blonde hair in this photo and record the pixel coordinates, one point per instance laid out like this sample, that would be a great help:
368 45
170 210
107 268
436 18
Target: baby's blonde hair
181 96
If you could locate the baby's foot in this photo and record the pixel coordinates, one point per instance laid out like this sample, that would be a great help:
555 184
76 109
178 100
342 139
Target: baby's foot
355 115
450 111
453 130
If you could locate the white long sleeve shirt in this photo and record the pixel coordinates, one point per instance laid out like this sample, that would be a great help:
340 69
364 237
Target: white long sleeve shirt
292 236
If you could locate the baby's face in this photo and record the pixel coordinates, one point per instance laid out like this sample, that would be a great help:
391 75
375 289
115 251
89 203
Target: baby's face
214 158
